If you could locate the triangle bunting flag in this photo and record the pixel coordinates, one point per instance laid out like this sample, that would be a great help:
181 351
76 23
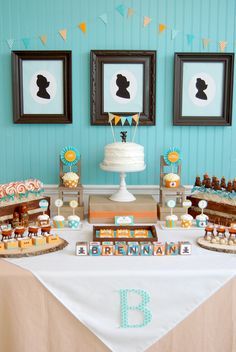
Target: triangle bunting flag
130 12
205 42
117 119
222 45
82 26
123 119
129 119
111 117
43 39
162 27
103 17
174 33
10 43
136 118
26 42
121 9
146 21
190 38
63 33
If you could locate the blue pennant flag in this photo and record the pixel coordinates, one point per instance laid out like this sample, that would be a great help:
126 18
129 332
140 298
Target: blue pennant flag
123 119
121 9
129 119
26 42
190 38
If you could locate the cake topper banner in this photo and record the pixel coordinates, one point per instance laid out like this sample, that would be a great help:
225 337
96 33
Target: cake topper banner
123 119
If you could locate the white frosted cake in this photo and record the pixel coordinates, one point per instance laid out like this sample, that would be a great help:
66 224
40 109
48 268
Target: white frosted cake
120 156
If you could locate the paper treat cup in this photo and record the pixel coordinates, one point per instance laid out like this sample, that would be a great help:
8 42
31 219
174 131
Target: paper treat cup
172 184
73 224
59 223
201 223
71 183
171 223
186 223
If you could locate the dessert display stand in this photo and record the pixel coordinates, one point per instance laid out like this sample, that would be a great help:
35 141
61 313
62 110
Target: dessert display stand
75 193
177 193
216 247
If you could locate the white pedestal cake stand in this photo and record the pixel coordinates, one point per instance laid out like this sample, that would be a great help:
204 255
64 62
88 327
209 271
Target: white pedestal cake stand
122 195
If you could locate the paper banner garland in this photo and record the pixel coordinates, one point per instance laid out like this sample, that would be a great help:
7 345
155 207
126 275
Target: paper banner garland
222 45
10 43
26 42
172 156
117 119
63 33
146 20
121 9
162 27
123 119
43 39
82 26
103 17
69 156
205 42
130 12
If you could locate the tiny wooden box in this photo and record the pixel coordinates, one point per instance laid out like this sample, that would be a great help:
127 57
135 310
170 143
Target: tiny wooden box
25 242
39 241
2 247
11 244
52 239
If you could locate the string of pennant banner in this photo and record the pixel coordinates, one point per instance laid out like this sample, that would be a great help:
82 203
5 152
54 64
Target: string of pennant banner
122 120
126 12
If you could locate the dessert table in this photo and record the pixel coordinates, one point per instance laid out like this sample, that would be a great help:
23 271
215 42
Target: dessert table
59 302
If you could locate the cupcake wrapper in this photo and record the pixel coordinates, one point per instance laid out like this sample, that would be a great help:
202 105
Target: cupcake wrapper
170 223
73 224
71 184
58 224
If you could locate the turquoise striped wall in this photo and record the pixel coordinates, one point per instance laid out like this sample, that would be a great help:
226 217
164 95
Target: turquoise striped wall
33 150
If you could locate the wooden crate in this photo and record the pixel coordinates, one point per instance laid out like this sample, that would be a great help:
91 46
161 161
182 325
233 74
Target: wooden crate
102 210
218 213
66 210
6 211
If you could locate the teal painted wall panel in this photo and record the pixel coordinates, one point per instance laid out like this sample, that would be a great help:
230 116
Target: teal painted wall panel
33 150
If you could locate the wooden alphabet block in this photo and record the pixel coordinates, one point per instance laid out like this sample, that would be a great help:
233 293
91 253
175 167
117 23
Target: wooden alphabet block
133 248
107 248
158 248
172 248
81 248
120 248
185 248
146 249
94 248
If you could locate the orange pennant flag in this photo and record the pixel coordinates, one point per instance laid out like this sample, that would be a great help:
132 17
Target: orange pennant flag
63 33
146 20
43 39
117 119
205 42
130 12
82 27
162 27
222 45
136 118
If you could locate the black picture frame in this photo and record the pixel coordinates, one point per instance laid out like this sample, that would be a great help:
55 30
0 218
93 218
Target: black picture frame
222 119
18 60
147 58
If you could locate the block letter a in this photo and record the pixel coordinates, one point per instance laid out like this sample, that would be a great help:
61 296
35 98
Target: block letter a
141 307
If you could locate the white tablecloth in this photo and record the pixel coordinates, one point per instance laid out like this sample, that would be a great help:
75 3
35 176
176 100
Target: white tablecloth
89 286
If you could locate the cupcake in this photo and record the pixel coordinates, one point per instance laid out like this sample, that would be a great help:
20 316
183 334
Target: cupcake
70 180
171 220
202 220
171 180
58 221
186 221
73 221
43 220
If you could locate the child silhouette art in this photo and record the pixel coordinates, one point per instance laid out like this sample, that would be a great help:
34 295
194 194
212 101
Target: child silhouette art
201 86
122 84
43 84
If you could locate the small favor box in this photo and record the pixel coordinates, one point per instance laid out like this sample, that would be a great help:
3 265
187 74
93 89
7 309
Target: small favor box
2 247
185 248
172 248
159 248
81 248
146 249
94 248
24 242
107 248
39 241
120 248
52 238
133 248
11 244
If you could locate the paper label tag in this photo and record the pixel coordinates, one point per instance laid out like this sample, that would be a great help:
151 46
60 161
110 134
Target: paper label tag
202 204
73 204
43 204
187 204
124 220
58 203
171 203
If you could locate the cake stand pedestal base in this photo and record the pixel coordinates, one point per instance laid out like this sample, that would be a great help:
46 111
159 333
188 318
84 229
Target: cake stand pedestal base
122 195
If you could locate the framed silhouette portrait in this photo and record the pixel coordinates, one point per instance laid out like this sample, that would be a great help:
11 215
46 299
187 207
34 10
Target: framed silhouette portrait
42 88
203 89
123 82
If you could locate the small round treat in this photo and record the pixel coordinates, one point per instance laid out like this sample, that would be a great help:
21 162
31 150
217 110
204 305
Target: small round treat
223 240
202 220
172 180
19 231
171 220
70 180
6 233
33 231
45 229
59 221
186 221
73 221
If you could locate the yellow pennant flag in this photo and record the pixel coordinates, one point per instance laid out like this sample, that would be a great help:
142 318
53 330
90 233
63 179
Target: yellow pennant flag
222 45
136 118
43 39
82 27
162 27
63 33
146 20
130 12
117 119
205 42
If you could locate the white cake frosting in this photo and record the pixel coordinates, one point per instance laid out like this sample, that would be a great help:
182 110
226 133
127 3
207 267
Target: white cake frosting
120 156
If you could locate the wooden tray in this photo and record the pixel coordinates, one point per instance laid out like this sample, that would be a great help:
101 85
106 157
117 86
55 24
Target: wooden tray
225 248
150 228
34 250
